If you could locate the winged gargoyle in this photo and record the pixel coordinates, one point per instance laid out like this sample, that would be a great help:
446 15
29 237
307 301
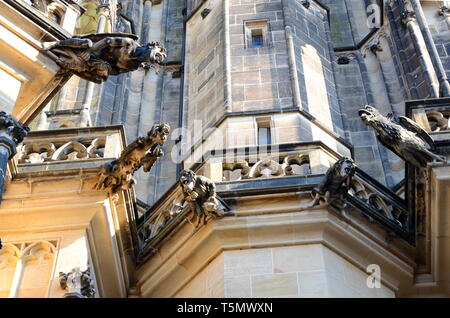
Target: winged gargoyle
200 193
402 136
96 56
336 183
143 152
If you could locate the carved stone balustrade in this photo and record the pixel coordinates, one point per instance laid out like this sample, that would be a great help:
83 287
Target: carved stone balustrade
63 13
239 164
75 148
290 168
432 115
380 204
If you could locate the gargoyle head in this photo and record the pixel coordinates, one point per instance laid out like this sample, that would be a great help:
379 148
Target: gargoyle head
345 167
159 133
152 53
13 128
371 116
187 180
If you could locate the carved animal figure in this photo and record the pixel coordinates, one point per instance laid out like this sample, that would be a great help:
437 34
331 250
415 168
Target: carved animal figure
200 193
144 151
13 128
402 136
336 182
96 56
77 280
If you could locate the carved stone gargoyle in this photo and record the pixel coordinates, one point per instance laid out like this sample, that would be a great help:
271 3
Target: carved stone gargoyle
96 56
200 193
336 182
402 136
78 284
10 127
143 152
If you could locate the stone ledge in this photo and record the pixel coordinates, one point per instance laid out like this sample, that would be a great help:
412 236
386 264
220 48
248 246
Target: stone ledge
186 253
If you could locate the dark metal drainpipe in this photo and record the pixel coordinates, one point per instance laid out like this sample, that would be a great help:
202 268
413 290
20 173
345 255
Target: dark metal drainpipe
180 109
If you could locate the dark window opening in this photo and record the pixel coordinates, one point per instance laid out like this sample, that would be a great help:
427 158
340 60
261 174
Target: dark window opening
264 131
257 38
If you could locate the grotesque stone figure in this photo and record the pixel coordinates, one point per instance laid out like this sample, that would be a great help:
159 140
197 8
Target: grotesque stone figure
143 152
336 182
96 56
10 126
402 136
78 283
200 193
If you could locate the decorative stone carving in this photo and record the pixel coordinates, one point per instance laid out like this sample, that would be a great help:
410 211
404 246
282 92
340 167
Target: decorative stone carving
96 56
382 205
444 11
344 59
205 12
78 284
376 47
32 152
408 16
336 182
11 134
296 164
143 152
12 129
306 3
266 168
200 193
402 136
437 121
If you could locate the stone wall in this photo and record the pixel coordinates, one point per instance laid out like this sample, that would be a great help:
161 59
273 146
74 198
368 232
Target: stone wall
260 76
204 70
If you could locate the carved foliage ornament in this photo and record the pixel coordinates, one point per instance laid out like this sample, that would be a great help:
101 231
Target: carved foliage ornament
408 16
143 152
402 136
200 193
94 57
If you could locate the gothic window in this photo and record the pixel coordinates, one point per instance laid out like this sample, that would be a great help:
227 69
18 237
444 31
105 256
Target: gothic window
256 34
9 257
26 269
37 260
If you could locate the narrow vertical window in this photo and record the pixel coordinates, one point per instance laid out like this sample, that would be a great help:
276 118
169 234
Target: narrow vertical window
257 38
256 34
264 131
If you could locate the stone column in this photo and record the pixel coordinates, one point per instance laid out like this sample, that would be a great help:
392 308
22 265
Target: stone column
227 55
409 19
431 47
382 51
293 68
103 11
148 4
445 12
11 134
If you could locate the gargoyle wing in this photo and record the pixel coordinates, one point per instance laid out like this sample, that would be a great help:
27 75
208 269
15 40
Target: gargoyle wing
410 125
100 36
388 146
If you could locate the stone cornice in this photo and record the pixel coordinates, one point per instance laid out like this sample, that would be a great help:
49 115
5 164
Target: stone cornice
188 251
